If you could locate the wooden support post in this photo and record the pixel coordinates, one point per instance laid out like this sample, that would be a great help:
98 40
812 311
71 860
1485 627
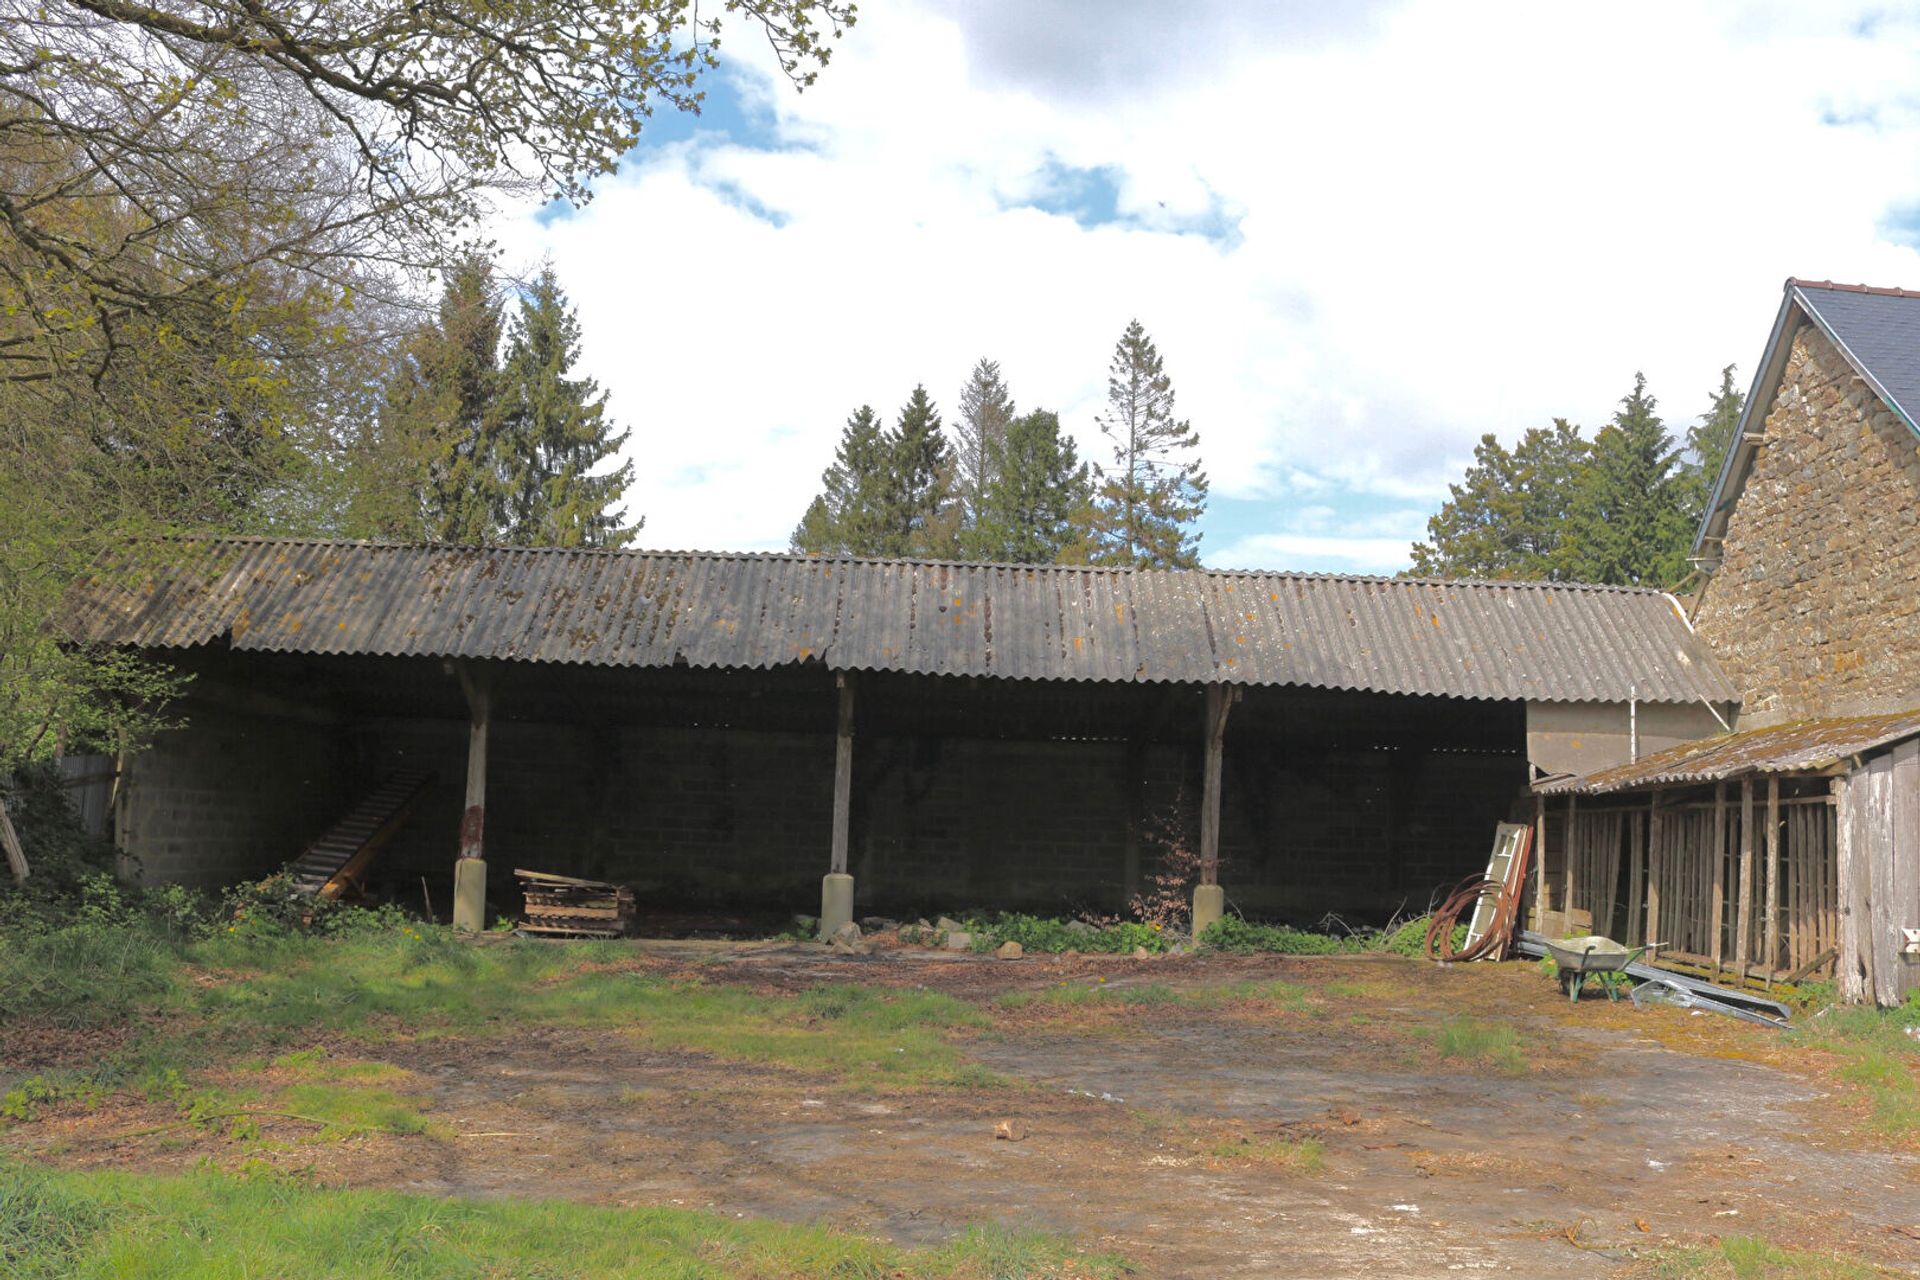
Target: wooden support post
1771 845
1636 879
1219 701
1743 918
1209 900
1656 868
836 887
470 870
1569 866
1540 864
842 779
1717 901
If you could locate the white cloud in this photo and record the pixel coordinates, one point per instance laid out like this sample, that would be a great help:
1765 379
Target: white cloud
1452 219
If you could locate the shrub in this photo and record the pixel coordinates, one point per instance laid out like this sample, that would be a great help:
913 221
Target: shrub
1052 935
1243 937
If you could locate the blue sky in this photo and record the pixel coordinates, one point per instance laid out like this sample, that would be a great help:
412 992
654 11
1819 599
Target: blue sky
1361 236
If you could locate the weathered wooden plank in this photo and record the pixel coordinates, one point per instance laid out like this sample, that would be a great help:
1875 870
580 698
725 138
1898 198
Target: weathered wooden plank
10 841
1771 846
1656 868
1540 863
1877 840
1717 888
1853 976
1636 879
842 780
1903 903
1743 916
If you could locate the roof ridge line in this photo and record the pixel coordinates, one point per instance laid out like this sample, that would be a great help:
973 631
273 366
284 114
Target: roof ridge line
1529 584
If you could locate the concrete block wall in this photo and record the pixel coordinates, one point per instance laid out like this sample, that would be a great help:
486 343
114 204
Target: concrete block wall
229 797
1813 609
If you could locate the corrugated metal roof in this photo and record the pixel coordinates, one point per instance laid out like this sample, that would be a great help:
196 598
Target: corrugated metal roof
1547 642
1804 746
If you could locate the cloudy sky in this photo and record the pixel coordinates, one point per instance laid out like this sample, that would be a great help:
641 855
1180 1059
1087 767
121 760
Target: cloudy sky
1362 235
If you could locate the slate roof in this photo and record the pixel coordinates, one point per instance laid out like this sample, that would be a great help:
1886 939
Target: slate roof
1877 330
1504 640
1804 746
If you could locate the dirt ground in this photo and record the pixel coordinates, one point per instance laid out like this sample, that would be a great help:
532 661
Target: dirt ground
1627 1129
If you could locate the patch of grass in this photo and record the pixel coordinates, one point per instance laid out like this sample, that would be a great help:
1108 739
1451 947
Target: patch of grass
1749 1258
87 975
1492 1045
1879 1057
1298 1155
97 1225
349 1111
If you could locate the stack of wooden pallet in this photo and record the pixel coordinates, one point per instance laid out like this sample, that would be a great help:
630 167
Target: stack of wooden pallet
581 908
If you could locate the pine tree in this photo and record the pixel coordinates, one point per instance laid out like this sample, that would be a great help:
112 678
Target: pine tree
1507 516
1627 521
1144 509
919 516
1027 513
847 518
986 411
440 412
554 431
1707 443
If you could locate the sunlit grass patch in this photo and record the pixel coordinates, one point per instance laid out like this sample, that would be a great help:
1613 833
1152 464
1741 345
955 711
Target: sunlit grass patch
1491 1045
1297 1155
1749 1258
347 1111
98 1225
1880 1057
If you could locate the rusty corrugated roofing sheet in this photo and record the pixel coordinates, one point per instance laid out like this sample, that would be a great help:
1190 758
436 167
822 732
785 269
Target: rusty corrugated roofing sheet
1804 746
655 608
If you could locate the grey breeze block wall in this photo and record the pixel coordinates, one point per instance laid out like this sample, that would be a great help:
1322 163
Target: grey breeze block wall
735 816
227 797
1813 609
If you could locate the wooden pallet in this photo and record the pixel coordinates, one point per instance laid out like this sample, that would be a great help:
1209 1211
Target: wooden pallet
575 907
333 864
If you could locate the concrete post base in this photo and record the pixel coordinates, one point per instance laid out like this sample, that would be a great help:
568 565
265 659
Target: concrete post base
469 895
1209 904
836 902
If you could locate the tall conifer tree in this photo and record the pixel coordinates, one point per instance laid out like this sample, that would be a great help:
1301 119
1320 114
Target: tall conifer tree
1039 488
1707 443
554 432
921 517
1627 522
986 411
1146 505
848 516
1507 516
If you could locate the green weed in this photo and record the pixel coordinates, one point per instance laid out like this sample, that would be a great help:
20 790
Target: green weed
1300 1155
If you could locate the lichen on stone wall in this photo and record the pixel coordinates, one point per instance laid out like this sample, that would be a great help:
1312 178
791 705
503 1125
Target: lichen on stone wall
1813 608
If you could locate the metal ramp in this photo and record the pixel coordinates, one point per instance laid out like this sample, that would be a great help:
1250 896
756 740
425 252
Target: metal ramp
334 863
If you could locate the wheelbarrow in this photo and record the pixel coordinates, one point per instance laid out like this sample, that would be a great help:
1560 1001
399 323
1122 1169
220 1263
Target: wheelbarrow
1593 956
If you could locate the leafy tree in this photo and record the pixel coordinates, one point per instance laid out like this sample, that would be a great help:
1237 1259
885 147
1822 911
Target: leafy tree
1507 516
1145 506
554 432
213 214
918 514
1627 521
1707 443
986 410
847 517
1039 487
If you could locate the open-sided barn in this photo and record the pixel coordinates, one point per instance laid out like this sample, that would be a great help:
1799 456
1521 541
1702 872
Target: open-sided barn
735 727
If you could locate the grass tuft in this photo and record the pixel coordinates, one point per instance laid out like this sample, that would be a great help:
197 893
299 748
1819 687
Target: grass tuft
1492 1045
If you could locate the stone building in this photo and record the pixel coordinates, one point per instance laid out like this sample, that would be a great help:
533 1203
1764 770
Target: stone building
1793 844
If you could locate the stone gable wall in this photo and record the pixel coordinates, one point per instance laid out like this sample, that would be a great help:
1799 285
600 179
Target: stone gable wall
1813 610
